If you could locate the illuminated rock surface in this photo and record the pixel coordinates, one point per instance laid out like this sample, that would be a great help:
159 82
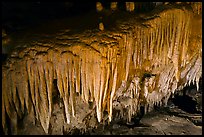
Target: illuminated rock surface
101 75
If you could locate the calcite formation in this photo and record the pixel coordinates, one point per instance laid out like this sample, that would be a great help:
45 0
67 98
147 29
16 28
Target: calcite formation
136 63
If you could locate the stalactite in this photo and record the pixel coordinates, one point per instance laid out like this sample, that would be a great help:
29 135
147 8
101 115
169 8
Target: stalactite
175 57
166 45
106 84
4 125
26 83
13 91
96 81
43 101
197 7
71 85
129 55
77 73
148 46
31 79
101 91
4 88
113 5
48 68
82 73
145 46
8 106
85 81
135 56
172 37
63 75
137 65
161 44
185 44
42 92
130 6
36 92
90 83
112 93
19 86
58 68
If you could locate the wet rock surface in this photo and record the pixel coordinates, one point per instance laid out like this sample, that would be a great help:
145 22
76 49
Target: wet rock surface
42 52
159 122
169 120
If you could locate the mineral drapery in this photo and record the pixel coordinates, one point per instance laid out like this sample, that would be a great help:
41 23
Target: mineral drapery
137 64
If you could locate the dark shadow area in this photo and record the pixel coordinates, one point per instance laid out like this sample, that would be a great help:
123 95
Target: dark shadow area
189 100
19 15
185 103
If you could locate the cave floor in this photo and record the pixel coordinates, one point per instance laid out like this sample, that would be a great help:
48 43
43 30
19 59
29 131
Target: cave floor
169 120
166 121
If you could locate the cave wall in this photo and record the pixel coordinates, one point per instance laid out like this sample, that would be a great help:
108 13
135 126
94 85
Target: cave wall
137 63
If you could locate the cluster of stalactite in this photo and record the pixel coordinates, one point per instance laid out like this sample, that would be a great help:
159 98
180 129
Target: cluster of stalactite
197 7
138 64
144 6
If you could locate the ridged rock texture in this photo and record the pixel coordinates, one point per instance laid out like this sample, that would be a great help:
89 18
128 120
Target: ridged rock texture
137 63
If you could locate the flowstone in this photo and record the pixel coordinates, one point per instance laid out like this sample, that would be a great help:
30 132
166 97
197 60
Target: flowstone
139 62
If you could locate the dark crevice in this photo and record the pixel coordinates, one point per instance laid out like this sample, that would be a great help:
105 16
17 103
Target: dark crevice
185 103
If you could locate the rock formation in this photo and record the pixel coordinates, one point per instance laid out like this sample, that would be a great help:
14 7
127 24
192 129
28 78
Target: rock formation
136 63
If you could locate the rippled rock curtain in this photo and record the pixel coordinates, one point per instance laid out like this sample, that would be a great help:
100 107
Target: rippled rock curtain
137 64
